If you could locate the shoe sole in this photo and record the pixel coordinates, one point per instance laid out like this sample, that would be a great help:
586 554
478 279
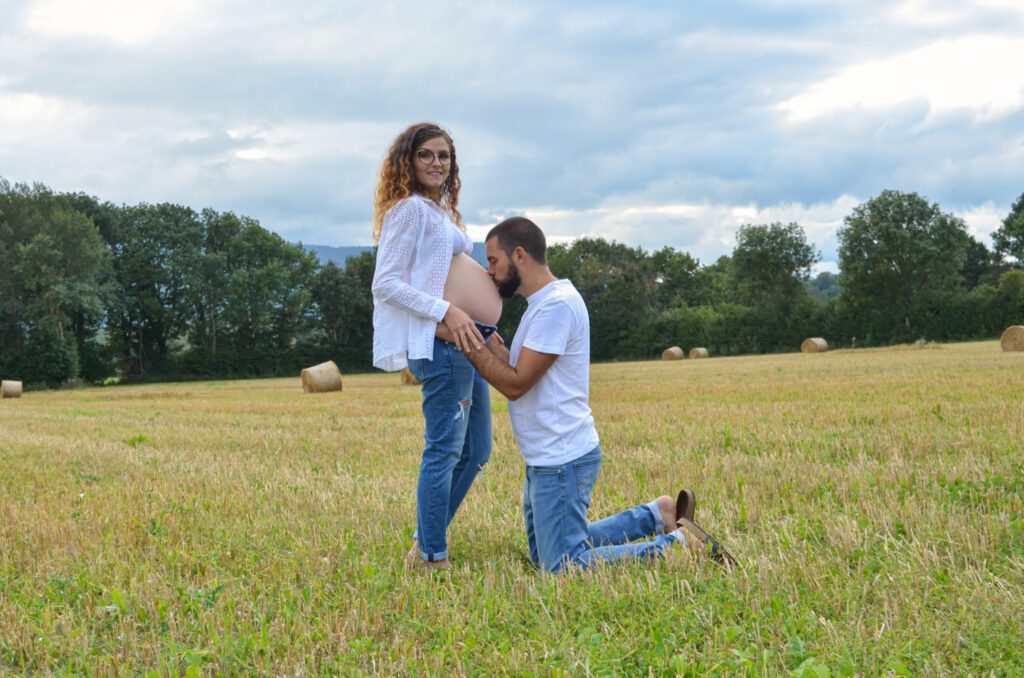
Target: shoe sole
686 504
712 547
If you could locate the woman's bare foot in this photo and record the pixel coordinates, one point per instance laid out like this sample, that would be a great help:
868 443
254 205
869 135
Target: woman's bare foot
413 560
413 556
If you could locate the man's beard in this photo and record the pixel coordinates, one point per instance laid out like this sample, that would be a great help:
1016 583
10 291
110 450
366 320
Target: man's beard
507 287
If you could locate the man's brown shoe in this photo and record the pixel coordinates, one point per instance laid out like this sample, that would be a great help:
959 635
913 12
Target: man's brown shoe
686 503
708 543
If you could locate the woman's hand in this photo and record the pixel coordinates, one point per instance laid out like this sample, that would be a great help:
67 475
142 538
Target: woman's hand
465 335
444 334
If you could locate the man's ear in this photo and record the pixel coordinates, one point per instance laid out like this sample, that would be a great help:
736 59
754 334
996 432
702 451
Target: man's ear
519 255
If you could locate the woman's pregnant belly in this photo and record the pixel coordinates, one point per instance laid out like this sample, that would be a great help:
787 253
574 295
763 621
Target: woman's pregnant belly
471 289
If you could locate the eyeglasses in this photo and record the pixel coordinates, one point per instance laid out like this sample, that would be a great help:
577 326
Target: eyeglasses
426 156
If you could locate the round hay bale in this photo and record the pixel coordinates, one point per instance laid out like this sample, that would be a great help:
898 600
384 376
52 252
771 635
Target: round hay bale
10 389
696 353
321 378
814 345
1013 338
672 353
408 379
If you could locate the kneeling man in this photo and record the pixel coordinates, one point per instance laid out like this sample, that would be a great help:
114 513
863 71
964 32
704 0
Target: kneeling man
546 378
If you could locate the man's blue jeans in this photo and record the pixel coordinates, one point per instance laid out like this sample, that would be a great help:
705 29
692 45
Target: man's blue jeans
555 503
457 437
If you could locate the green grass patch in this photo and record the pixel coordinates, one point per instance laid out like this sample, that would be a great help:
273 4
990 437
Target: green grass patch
244 528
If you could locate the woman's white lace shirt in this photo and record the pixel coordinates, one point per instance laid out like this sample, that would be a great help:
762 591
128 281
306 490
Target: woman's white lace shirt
413 258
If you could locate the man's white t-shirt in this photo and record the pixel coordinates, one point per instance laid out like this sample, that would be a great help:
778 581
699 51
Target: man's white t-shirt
552 421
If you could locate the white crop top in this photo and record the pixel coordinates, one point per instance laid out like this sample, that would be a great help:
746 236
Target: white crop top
461 244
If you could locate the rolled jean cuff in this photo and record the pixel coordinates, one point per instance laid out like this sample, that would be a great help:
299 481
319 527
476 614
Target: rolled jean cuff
659 523
433 557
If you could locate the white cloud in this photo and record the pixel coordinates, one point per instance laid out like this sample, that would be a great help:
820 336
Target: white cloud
705 230
127 22
297 142
647 125
982 220
947 13
136 153
20 110
251 154
979 74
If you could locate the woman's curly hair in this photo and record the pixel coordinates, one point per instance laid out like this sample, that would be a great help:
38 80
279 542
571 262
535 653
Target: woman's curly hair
398 177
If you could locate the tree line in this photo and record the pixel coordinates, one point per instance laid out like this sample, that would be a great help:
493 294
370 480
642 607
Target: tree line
91 290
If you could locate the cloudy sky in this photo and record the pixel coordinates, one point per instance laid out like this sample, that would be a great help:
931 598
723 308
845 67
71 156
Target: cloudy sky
653 123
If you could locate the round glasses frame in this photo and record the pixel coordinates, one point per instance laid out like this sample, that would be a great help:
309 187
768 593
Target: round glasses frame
427 157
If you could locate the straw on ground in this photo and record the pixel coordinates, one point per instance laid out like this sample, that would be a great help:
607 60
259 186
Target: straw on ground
874 497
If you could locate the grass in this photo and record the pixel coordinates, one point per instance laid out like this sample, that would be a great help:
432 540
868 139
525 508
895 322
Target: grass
876 498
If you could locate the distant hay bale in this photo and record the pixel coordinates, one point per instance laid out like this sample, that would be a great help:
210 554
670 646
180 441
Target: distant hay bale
814 345
672 353
698 353
1013 338
321 378
10 389
408 379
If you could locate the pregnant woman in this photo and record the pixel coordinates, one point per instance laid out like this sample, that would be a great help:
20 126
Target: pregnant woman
424 281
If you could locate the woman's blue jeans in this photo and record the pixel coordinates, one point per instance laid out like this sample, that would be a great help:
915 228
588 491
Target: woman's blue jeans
555 503
457 442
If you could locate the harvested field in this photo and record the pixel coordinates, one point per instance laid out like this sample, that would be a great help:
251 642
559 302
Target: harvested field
875 498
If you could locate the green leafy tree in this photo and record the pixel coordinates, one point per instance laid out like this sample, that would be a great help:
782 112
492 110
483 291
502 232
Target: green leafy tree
824 287
1011 298
155 251
899 256
53 261
96 354
48 359
208 296
714 283
676 278
618 284
1011 284
770 264
251 301
981 265
344 300
330 290
1009 237
344 305
269 289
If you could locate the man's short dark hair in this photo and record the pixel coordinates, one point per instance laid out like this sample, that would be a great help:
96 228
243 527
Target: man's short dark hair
520 232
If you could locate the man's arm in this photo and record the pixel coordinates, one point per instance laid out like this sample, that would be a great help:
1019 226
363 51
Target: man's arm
513 382
492 362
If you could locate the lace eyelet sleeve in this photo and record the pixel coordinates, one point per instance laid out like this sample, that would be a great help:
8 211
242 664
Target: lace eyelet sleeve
400 236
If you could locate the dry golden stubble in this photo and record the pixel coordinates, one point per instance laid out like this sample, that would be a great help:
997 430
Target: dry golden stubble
877 484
